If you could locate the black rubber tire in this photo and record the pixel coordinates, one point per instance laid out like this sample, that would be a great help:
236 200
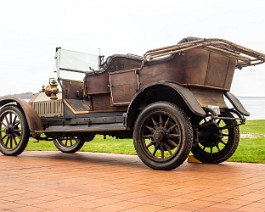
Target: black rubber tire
163 136
62 144
87 137
227 142
14 131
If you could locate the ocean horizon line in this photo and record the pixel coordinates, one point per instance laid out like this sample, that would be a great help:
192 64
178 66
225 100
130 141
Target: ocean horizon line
251 97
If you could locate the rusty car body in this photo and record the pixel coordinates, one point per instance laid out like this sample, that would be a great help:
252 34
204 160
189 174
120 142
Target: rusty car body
172 101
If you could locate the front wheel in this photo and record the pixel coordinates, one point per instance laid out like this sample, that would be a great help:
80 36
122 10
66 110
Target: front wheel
14 131
163 136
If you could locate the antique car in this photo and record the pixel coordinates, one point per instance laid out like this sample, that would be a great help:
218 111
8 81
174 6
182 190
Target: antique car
172 101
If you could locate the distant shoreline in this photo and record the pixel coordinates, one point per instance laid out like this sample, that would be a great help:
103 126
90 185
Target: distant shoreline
251 97
26 95
254 104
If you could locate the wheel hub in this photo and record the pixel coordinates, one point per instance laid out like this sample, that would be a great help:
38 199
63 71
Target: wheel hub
212 135
9 130
160 135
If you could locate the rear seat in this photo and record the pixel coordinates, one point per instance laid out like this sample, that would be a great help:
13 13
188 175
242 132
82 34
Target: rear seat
118 62
98 81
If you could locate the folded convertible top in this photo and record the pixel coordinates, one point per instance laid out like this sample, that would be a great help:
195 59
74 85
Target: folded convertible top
245 56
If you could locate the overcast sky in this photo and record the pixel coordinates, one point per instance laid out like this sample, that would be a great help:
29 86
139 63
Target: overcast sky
31 30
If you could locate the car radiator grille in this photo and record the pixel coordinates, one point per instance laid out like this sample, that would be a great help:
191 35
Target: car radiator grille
49 108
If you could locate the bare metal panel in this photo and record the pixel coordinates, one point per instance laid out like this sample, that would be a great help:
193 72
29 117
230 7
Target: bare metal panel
208 97
196 67
123 86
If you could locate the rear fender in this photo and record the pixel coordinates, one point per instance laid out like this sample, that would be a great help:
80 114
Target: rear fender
33 119
236 103
180 95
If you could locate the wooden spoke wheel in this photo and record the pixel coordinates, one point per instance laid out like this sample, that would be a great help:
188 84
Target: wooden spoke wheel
162 136
69 144
218 139
14 131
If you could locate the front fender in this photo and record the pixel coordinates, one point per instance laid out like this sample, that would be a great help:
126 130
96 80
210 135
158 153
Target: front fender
183 94
33 119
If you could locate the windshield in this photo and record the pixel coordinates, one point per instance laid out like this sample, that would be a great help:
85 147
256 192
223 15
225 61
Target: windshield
73 65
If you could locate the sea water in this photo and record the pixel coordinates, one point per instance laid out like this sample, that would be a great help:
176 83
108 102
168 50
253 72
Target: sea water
255 106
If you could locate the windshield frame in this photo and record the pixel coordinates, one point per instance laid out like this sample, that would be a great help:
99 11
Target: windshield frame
67 59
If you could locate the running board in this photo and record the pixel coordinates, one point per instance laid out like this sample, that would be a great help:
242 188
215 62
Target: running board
85 128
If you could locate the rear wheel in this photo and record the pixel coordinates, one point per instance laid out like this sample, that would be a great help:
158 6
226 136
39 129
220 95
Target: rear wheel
218 139
14 131
162 136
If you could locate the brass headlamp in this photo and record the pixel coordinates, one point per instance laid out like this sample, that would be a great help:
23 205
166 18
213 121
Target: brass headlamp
51 90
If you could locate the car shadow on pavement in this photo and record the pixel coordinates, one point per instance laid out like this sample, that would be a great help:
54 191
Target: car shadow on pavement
88 158
117 160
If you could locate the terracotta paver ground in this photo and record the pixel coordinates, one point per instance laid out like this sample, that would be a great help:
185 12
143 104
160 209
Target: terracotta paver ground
37 181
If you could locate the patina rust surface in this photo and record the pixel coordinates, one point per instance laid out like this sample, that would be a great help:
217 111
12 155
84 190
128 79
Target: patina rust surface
171 102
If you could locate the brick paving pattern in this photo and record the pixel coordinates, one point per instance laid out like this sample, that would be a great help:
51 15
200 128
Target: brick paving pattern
53 181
